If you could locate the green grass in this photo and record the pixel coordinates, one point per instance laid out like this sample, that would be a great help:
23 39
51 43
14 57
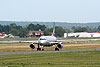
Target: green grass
52 59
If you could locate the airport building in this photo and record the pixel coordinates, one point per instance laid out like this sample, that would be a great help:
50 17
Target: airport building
35 33
82 34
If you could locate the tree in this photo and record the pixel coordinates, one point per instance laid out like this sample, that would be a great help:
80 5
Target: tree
36 27
23 32
95 29
98 28
84 29
59 31
6 28
13 25
67 30
1 28
48 31
30 27
15 32
81 29
43 27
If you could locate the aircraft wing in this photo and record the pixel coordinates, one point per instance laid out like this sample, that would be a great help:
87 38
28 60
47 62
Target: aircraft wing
54 43
35 42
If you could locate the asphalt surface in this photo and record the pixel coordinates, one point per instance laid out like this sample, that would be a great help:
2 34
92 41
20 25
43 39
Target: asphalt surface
26 52
18 41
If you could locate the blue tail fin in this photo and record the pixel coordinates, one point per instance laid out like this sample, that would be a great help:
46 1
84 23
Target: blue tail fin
53 33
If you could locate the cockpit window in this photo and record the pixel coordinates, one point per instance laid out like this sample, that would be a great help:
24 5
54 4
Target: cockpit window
42 39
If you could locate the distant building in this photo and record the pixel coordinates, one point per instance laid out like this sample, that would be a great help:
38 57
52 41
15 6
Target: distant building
82 34
35 33
2 34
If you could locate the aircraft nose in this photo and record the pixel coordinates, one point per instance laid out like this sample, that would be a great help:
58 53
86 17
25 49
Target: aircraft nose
42 41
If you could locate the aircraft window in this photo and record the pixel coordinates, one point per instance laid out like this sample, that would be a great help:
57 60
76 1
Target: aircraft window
42 39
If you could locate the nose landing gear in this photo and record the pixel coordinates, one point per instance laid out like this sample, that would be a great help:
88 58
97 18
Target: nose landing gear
56 49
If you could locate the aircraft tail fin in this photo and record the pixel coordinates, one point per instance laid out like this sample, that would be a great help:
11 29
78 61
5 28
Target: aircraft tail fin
53 33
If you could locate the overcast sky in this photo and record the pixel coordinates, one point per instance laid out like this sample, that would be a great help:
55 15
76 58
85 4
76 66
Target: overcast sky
50 10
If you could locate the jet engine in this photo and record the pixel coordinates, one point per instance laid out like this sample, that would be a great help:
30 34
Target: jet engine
60 45
32 46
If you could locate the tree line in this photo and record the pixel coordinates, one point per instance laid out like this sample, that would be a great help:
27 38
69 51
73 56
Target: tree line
22 31
82 29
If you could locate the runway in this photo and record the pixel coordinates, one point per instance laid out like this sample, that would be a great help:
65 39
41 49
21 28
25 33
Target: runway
26 52
18 41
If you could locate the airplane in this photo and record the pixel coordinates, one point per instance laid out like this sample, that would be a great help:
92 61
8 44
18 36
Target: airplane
47 41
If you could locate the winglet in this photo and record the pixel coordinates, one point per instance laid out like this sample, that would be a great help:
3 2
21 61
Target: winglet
53 29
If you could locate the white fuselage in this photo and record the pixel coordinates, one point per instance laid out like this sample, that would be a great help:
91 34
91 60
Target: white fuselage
45 40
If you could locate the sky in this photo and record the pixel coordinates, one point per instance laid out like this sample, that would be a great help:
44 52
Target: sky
77 11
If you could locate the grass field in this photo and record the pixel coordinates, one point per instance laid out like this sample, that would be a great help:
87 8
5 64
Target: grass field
52 59
25 46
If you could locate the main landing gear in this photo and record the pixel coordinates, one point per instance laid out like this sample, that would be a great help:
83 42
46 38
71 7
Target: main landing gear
39 49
